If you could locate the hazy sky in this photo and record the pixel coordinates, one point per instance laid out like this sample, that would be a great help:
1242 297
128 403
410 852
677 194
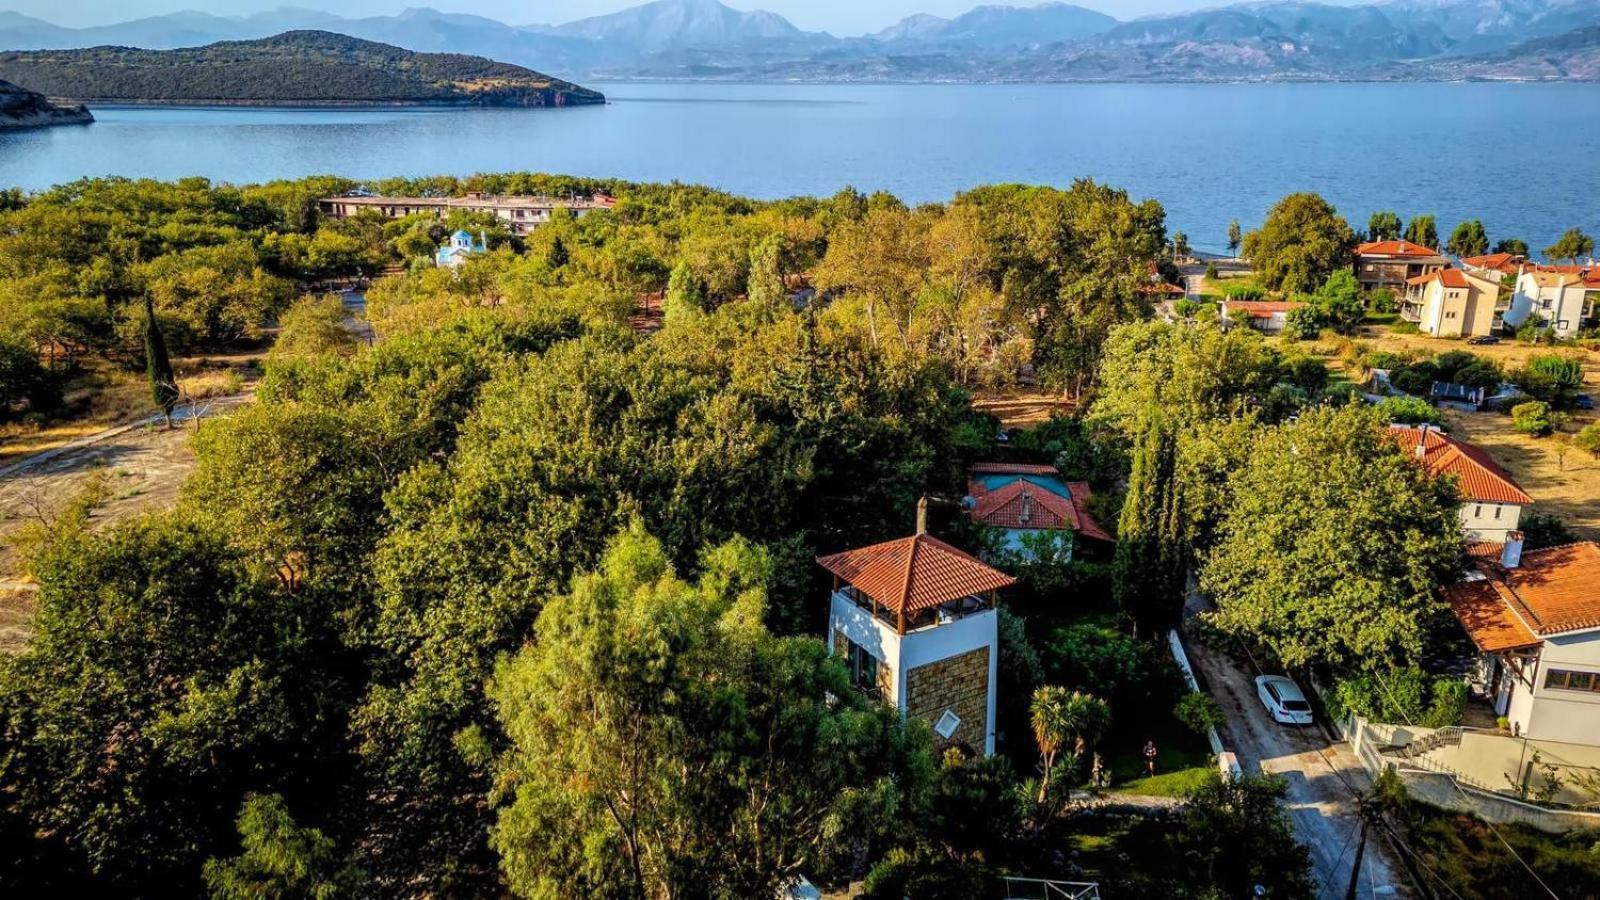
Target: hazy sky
838 16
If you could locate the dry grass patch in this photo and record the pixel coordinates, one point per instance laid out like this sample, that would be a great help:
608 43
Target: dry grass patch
1018 409
1565 485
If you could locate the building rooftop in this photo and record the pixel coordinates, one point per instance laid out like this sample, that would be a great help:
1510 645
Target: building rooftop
1551 592
1451 278
914 573
599 201
1036 498
1481 478
1397 249
1261 309
1504 263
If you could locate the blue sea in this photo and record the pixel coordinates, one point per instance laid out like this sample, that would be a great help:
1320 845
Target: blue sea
1525 158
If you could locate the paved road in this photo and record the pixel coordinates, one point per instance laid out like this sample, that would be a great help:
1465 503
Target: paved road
1323 777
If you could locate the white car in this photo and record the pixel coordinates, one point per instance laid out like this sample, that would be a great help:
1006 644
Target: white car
1283 700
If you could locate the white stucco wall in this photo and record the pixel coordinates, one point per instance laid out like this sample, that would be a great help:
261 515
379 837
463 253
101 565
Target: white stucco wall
1563 715
902 653
1489 521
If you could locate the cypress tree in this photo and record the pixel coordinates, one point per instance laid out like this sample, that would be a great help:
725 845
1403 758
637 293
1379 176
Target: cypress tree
158 366
1148 571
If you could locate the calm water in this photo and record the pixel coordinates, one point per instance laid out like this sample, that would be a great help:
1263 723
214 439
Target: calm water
1524 158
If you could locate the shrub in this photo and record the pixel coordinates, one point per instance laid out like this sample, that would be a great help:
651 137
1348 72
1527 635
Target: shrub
1416 379
1186 308
1588 440
1383 301
23 382
1244 292
1302 323
1532 418
1402 696
1198 712
1541 530
1404 327
1553 379
1211 270
1449 365
1384 359
1481 374
1410 411
1307 372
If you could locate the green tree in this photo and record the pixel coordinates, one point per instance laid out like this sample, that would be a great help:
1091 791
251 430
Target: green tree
312 328
686 294
1534 418
163 683
1468 239
664 743
1554 379
1302 242
1339 301
280 859
1180 245
1383 226
1423 230
1150 566
158 366
1513 246
1573 246
1186 373
1235 236
1332 544
1064 720
766 288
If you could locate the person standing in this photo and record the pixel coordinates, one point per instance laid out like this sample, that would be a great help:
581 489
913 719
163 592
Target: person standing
1150 757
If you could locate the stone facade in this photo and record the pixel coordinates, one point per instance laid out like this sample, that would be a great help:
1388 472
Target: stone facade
959 683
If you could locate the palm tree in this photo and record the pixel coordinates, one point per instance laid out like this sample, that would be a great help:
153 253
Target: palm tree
1059 717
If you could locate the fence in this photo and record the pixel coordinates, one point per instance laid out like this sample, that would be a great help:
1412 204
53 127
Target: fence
1046 889
1434 782
1227 763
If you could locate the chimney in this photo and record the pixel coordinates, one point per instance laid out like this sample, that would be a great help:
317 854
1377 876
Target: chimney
922 515
1026 515
1422 440
1511 554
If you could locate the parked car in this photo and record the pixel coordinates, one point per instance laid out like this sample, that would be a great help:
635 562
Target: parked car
1283 700
1584 401
1483 340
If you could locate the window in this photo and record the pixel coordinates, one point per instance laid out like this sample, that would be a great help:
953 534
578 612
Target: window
863 668
1497 512
1566 680
1477 511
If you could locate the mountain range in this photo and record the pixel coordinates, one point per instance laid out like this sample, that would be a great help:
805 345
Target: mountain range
703 39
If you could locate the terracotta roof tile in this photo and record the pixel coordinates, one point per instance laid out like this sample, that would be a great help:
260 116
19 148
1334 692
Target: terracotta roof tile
1399 249
1504 263
1000 468
1087 526
1487 620
1452 278
1553 591
1023 504
914 573
1482 479
1261 309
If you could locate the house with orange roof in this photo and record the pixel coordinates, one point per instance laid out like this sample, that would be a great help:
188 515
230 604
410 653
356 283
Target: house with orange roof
1267 316
1389 264
1535 619
1565 298
915 620
1033 512
1452 302
1492 501
1494 265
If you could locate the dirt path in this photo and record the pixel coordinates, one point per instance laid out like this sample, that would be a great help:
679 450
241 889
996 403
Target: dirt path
1323 777
142 466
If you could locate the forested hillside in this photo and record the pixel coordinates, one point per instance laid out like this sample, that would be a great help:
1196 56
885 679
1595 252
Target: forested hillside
300 67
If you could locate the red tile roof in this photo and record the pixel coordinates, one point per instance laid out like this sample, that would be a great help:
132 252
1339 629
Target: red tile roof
1553 591
1488 551
915 573
1504 263
1452 278
1397 248
1261 309
1000 468
1481 478
1087 526
1022 504
1492 626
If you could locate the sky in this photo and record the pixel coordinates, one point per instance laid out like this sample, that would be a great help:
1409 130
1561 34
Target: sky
842 17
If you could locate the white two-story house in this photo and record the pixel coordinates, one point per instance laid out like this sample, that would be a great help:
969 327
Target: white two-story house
1563 297
1535 619
1491 501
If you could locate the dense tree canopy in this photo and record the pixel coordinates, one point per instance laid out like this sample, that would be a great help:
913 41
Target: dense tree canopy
1301 243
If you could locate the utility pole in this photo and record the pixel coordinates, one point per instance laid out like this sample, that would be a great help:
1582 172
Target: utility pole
1361 847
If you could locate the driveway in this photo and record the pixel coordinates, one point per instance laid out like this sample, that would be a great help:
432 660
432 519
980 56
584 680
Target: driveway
1323 778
